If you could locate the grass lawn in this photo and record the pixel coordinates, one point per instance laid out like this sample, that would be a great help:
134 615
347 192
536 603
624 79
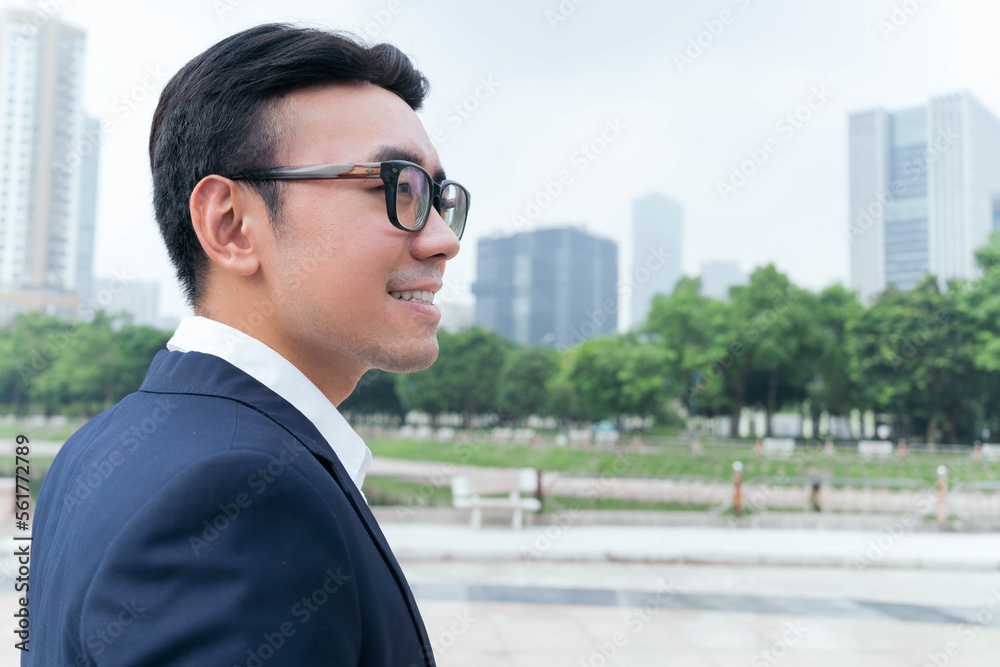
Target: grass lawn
671 461
59 434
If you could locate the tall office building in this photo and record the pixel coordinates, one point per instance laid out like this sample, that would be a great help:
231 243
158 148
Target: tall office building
138 298
924 191
657 244
548 287
718 276
48 167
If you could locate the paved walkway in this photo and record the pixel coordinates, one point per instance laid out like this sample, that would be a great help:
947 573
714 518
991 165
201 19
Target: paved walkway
895 546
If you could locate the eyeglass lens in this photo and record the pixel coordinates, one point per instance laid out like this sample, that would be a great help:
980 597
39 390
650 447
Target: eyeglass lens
454 207
413 198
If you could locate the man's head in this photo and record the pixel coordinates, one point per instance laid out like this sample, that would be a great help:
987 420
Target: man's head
305 266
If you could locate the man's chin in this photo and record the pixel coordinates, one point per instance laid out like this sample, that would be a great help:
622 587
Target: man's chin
412 360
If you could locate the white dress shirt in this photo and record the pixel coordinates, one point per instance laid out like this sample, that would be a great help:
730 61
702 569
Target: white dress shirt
200 334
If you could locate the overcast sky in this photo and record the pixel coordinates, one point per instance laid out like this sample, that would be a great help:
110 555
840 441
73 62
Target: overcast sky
679 119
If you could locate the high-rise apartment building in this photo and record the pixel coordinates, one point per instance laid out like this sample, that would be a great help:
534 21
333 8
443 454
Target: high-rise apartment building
48 167
718 276
657 244
924 191
548 287
138 298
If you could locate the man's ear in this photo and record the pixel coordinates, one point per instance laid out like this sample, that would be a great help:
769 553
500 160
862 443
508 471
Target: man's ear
224 226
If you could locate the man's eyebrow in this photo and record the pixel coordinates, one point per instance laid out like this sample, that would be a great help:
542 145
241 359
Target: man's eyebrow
384 153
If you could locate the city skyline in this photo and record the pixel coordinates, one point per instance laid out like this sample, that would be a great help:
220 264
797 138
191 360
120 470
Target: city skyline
578 107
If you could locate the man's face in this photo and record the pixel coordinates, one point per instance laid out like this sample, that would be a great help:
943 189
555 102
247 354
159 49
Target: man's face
337 258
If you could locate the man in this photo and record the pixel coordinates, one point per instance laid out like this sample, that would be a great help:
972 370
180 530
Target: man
215 516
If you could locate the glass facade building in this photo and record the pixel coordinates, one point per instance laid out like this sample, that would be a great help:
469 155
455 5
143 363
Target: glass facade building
924 192
657 251
548 287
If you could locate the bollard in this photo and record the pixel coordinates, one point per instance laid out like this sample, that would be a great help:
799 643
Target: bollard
901 449
539 493
942 510
738 492
695 446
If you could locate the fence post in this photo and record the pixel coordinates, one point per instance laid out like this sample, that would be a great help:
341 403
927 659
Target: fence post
942 510
738 492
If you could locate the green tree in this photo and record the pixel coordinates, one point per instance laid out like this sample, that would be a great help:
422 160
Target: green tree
613 377
524 381
464 378
758 333
913 354
375 393
833 388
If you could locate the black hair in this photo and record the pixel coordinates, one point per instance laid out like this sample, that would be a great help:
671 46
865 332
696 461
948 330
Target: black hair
217 116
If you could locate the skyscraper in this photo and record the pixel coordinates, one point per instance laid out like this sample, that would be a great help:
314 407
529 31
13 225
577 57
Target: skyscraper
924 191
550 287
657 246
47 167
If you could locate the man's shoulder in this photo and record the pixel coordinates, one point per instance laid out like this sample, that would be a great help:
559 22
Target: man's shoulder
179 426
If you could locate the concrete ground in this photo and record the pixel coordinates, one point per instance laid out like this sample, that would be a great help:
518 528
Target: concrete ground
628 595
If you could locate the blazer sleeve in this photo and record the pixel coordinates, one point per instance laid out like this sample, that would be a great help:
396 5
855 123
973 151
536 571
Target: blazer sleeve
237 560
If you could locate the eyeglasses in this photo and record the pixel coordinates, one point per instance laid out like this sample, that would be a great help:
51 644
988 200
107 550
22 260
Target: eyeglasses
409 190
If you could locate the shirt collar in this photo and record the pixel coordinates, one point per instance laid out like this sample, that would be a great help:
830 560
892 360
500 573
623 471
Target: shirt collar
200 334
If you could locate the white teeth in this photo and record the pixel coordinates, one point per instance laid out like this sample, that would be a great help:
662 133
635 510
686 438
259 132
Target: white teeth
421 296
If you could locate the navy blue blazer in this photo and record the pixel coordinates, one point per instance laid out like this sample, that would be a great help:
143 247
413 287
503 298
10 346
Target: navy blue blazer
203 520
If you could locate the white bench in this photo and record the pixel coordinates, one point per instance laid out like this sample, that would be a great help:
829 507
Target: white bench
496 490
875 449
779 448
990 452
